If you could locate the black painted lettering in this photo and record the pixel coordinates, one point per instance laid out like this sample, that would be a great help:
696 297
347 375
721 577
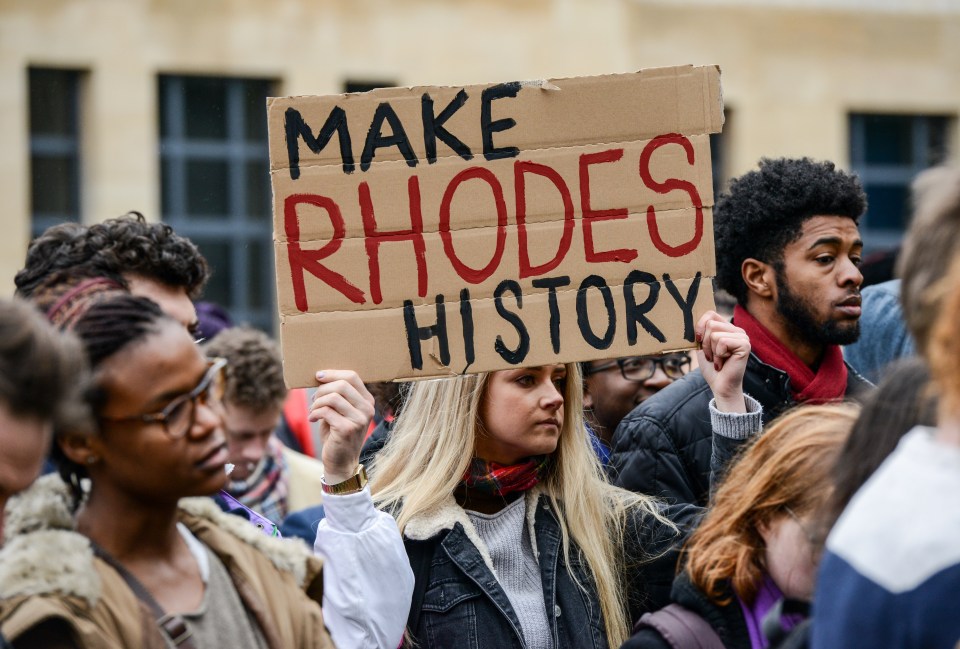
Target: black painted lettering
583 313
638 312
416 333
512 356
553 283
466 317
489 126
377 140
433 127
685 303
296 128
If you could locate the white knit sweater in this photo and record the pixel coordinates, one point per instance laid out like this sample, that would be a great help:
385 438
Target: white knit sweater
511 550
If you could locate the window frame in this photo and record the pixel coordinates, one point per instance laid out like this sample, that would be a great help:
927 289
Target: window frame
239 226
65 145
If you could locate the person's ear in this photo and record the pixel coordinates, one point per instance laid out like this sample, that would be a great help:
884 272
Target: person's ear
80 449
759 277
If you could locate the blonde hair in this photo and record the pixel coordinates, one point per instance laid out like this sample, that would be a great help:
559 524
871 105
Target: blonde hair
790 466
943 353
930 242
431 447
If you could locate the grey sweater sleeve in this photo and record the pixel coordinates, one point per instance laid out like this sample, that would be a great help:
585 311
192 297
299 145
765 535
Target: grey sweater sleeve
731 431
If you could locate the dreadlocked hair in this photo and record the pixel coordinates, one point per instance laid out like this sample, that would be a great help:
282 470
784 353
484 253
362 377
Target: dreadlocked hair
106 319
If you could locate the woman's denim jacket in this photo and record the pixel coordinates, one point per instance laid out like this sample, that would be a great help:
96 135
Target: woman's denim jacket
464 605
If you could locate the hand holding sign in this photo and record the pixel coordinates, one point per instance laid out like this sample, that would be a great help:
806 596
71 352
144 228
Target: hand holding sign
476 228
723 360
344 408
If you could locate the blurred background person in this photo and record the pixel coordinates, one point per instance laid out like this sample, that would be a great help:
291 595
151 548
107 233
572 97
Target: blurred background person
268 477
892 568
883 333
611 389
903 400
149 259
43 374
755 547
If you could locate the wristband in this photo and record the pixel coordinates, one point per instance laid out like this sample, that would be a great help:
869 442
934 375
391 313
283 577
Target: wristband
353 484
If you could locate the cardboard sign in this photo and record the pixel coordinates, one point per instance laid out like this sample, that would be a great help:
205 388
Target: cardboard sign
441 230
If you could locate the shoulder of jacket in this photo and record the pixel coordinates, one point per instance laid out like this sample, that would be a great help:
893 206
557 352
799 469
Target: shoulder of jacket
857 384
726 619
226 533
42 554
438 522
662 409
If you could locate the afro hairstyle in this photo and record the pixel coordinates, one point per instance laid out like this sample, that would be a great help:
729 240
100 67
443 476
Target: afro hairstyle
765 209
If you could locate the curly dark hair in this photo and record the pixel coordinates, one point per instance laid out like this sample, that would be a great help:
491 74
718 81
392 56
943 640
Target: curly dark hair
124 245
764 211
254 368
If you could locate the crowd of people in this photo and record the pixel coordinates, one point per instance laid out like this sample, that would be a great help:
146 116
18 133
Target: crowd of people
785 484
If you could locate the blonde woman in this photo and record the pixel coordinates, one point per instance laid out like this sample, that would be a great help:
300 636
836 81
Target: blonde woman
758 543
515 536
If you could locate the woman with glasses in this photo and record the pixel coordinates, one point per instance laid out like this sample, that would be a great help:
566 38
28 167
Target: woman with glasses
748 570
117 554
515 535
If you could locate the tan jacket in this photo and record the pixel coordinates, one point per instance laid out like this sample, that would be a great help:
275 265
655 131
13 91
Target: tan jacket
49 571
303 483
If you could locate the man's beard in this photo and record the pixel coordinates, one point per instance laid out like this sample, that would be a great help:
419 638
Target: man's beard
800 316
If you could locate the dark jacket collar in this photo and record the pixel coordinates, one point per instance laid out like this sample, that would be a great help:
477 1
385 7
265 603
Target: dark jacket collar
726 620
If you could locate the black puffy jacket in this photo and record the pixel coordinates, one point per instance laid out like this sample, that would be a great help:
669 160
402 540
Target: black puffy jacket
663 448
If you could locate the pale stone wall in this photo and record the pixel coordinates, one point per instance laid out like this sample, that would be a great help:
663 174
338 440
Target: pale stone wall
790 74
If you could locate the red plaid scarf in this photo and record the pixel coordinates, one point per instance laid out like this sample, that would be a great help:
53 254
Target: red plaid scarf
500 480
828 383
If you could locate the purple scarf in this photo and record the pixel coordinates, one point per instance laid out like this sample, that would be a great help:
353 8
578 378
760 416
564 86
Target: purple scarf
766 598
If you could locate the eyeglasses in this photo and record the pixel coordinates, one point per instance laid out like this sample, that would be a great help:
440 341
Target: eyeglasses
642 368
179 415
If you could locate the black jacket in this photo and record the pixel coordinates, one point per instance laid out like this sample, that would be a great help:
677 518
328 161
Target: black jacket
663 448
726 620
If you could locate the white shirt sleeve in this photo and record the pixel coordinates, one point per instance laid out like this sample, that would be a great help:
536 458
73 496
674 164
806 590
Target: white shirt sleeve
367 579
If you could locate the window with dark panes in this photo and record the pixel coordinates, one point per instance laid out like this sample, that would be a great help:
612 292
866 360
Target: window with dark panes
356 85
215 186
54 147
888 151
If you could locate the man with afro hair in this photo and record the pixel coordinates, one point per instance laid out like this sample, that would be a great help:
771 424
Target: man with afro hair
149 259
788 249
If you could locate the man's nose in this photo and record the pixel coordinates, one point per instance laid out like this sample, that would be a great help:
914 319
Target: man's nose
659 380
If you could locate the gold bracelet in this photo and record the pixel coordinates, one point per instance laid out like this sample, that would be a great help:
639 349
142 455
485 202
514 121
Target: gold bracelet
351 485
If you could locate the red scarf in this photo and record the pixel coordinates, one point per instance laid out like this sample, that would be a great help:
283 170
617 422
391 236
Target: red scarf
503 479
828 383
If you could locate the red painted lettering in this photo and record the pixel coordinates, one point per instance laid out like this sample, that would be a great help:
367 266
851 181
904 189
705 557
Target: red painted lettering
591 215
519 169
309 260
472 275
374 237
666 186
